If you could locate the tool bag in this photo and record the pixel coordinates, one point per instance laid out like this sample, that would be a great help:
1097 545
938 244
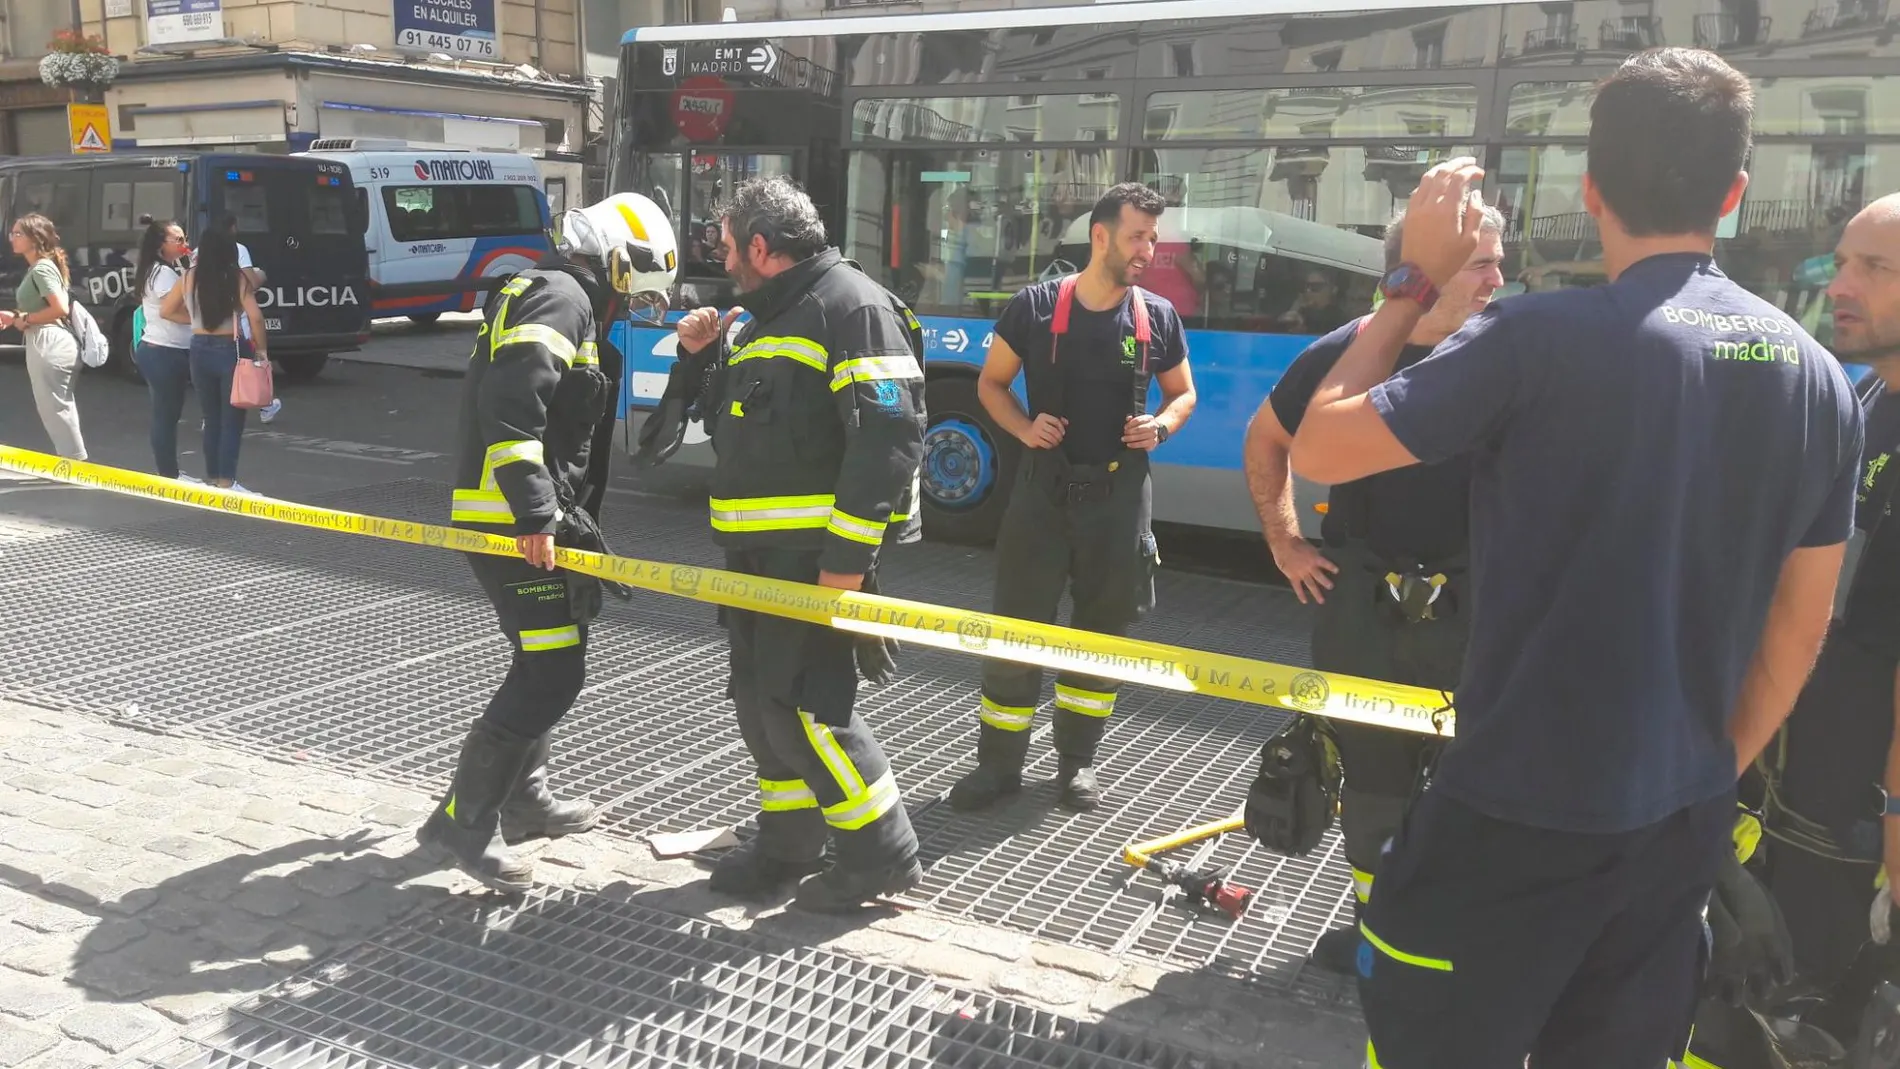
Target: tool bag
1292 800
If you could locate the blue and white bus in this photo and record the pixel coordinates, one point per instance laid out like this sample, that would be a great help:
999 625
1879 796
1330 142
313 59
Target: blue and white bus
956 157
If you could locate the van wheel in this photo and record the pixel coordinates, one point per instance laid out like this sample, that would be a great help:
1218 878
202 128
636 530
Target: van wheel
969 465
425 319
119 351
302 367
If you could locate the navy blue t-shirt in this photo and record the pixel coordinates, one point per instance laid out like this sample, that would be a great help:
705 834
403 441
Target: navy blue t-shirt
1645 455
1097 363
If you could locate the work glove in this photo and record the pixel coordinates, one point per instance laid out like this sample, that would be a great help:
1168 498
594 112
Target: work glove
665 427
579 531
1880 916
877 656
1751 955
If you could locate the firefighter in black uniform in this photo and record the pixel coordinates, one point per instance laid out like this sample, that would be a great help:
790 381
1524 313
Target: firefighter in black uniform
1079 515
817 418
532 463
1391 583
1829 787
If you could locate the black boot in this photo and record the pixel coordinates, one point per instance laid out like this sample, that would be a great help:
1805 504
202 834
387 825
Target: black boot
1076 779
532 811
466 828
837 890
1337 951
998 772
748 872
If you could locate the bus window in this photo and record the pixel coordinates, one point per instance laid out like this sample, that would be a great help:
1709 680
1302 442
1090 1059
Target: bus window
959 231
710 180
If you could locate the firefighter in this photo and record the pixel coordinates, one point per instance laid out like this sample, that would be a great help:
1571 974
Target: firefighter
1828 786
1391 584
536 429
818 428
1079 514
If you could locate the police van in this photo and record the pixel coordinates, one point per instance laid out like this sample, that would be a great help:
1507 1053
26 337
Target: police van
445 225
299 218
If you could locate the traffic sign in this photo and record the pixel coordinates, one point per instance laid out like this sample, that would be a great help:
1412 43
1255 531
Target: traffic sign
702 108
91 127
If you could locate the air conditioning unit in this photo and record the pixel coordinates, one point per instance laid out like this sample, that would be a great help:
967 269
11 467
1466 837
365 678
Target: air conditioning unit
360 144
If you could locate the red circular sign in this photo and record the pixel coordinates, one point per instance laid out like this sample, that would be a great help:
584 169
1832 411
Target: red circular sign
702 106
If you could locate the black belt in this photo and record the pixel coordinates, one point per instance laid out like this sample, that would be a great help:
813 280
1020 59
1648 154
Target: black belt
1415 586
1068 483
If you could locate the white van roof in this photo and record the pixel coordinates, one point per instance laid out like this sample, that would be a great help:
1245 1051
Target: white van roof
1262 230
424 163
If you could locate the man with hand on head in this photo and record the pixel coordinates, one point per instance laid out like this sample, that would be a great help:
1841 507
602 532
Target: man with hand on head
1658 517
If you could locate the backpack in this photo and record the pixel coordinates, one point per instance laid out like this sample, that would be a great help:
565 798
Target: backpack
93 348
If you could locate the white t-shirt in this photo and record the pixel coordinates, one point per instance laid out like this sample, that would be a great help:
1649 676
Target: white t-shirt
158 329
244 264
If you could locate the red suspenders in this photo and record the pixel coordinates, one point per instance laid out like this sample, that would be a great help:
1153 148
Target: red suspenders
1059 325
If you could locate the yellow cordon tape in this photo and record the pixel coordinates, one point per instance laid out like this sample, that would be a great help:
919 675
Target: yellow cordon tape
1242 679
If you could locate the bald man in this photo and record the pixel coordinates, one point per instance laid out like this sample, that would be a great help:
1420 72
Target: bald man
1824 786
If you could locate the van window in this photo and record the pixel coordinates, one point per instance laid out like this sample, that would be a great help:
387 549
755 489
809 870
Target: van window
329 211
251 205
432 213
121 203
59 199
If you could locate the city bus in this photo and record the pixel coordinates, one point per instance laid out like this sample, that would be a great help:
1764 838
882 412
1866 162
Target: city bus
956 157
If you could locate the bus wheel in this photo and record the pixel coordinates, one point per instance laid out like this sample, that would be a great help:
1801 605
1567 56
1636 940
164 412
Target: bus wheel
425 319
969 464
302 367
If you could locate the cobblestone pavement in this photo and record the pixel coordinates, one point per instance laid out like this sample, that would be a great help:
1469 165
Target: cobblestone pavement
147 883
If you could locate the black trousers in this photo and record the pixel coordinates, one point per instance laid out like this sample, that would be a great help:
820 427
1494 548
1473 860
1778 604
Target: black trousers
820 769
550 660
1489 941
1087 532
1360 632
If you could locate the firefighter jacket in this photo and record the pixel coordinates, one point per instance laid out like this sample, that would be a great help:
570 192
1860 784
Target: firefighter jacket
534 395
819 427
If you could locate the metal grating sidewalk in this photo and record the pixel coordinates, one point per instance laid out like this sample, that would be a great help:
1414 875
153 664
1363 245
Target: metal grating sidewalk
565 981
372 657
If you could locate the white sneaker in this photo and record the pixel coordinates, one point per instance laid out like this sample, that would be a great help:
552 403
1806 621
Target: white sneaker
240 488
193 479
269 411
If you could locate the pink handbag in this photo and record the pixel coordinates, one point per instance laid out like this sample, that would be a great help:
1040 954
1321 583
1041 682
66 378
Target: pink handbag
251 385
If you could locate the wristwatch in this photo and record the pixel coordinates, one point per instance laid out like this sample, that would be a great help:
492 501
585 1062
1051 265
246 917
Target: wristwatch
1161 432
1409 281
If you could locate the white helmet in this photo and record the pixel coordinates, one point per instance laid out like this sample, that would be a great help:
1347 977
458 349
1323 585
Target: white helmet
631 237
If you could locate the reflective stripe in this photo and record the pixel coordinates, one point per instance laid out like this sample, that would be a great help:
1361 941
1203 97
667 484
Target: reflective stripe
845 525
1007 717
771 513
508 453
516 286
738 409
803 350
1438 964
536 334
1372 1057
1362 884
550 638
916 495
588 356
855 812
480 506
1086 702
785 795
825 745
873 368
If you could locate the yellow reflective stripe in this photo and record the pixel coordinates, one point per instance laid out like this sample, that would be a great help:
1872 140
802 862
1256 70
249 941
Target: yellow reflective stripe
480 506
856 528
1086 702
825 744
1007 717
448 809
1693 1061
508 453
738 409
771 513
1372 1057
916 495
873 368
1362 884
1438 964
588 356
873 802
536 640
516 286
785 795
803 350
537 334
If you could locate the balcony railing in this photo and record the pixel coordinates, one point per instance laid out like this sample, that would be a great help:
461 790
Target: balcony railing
1629 34
1729 31
1563 39
1848 15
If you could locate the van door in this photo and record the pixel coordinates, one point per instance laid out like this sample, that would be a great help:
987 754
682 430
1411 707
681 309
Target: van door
298 219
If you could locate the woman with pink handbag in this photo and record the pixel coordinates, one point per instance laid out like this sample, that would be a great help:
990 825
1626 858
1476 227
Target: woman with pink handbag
228 381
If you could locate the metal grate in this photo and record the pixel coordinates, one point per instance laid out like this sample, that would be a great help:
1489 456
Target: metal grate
372 657
566 981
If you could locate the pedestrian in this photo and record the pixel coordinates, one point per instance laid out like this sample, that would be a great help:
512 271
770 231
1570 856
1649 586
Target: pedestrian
162 345
1663 474
536 432
818 435
1080 514
1392 585
52 352
1829 783
258 277
214 294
